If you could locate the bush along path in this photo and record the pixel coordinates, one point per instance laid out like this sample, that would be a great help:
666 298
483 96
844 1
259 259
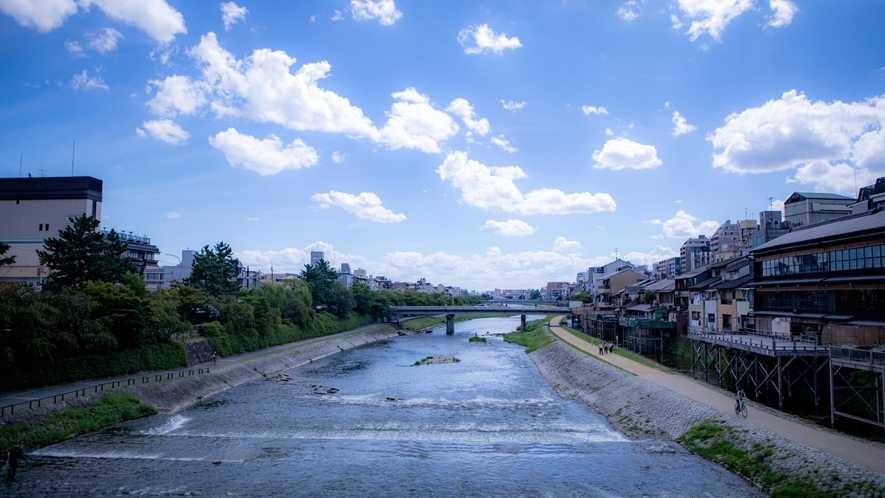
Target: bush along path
84 415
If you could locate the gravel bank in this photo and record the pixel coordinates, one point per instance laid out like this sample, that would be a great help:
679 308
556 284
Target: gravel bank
642 408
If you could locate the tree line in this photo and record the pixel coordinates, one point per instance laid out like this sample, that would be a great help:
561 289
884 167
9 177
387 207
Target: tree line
95 318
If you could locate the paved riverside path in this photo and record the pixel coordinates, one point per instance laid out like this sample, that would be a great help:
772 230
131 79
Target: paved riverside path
16 397
866 455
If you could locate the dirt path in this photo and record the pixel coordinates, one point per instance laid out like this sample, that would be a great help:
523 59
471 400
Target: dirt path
867 455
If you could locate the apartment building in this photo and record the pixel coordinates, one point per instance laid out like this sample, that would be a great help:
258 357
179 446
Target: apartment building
35 209
808 208
824 281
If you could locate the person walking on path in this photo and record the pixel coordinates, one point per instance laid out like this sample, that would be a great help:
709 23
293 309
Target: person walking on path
12 459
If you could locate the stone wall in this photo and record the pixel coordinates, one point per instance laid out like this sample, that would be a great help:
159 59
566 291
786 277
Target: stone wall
640 407
175 394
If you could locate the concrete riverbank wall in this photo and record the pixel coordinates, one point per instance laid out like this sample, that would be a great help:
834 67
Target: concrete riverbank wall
642 408
175 394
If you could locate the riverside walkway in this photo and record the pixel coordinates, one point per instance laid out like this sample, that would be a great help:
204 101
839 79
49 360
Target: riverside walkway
867 455
24 396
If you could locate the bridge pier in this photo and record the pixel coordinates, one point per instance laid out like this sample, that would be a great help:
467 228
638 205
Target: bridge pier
522 323
450 324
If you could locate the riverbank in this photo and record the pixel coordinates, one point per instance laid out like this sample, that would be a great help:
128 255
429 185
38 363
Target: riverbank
641 408
177 393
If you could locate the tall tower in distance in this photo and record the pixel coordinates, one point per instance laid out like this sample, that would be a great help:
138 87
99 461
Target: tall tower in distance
315 257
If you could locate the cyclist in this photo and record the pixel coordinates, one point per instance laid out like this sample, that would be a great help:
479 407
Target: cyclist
739 397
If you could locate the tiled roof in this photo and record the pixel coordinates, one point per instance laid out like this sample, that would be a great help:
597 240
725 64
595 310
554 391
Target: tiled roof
734 283
665 285
851 225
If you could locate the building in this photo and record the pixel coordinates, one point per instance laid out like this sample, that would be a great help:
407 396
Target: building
808 208
770 227
180 271
695 253
143 256
35 209
824 282
870 197
613 284
345 277
316 257
726 240
668 268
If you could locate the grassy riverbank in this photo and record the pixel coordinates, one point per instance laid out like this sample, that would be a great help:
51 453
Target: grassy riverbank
626 353
715 440
64 424
535 336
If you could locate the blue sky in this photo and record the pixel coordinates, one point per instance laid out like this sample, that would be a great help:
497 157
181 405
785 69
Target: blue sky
476 144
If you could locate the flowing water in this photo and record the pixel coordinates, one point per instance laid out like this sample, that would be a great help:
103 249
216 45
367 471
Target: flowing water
488 425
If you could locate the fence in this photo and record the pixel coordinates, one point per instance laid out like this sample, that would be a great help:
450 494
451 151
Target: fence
57 398
858 355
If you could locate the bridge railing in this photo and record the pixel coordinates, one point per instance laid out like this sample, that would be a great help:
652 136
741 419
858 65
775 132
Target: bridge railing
79 393
858 355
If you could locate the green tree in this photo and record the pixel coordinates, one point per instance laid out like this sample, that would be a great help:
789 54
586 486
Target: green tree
649 297
536 294
319 278
215 271
8 260
81 253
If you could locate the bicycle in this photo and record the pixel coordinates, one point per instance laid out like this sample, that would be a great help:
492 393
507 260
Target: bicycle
740 407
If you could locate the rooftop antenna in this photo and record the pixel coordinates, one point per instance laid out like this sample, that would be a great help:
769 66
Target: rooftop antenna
770 202
41 172
73 151
746 214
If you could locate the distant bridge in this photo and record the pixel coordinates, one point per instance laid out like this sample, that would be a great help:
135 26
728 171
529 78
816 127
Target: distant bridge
451 311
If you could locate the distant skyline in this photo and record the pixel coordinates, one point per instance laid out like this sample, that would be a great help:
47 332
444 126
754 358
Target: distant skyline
481 145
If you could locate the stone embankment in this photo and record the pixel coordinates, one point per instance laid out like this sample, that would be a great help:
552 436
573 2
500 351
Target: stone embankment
172 395
642 408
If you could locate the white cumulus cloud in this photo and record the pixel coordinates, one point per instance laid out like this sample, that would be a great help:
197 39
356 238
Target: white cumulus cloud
482 39
265 157
509 228
261 87
413 123
43 15
462 108
589 109
83 81
503 143
511 105
622 153
106 41
155 17
171 215
176 94
493 188
784 10
383 10
561 244
165 130
629 10
366 205
825 143
231 13
682 226
338 157
680 125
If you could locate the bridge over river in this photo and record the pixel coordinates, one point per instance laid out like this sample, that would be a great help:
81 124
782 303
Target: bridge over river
451 311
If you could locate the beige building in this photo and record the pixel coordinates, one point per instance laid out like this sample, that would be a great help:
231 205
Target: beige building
35 209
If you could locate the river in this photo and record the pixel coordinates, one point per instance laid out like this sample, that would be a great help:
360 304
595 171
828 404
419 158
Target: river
488 425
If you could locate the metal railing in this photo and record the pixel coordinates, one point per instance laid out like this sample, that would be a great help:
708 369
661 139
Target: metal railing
858 355
79 393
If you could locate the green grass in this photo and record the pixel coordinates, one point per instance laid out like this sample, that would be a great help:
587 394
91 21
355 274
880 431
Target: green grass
534 338
714 440
64 424
477 339
626 353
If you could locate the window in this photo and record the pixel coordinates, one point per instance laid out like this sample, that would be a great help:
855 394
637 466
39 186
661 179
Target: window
47 227
41 227
726 321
